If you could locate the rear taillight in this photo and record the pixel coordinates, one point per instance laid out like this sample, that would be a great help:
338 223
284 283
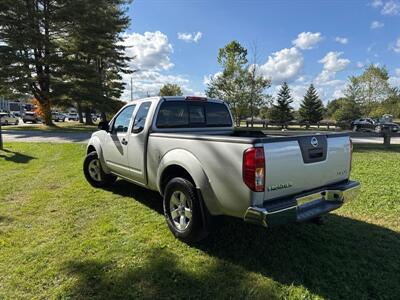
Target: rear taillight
254 168
351 155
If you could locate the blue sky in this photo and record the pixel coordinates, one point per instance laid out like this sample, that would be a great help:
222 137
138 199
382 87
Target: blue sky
301 41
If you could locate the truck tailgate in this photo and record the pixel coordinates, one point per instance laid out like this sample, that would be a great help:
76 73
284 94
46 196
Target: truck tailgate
299 164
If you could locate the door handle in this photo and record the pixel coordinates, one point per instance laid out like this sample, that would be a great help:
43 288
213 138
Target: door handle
124 142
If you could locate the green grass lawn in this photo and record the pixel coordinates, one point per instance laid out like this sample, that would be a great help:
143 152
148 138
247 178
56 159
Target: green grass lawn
59 126
61 238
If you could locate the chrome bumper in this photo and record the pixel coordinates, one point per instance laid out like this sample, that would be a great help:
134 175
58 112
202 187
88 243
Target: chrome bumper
303 207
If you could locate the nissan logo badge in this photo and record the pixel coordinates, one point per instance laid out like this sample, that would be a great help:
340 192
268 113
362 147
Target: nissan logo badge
314 141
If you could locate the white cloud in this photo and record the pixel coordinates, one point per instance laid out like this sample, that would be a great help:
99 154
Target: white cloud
396 46
376 3
342 40
331 65
391 8
207 78
283 65
376 25
395 81
189 37
148 83
151 50
307 40
360 65
397 71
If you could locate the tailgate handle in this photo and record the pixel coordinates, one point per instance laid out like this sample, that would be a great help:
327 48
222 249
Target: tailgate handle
315 153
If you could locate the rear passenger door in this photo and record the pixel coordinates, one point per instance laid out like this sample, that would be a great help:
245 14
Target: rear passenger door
137 144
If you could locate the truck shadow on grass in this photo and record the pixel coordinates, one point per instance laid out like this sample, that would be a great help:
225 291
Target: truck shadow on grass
15 157
344 258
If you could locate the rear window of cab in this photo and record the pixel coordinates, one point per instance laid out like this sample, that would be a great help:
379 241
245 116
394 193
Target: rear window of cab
181 114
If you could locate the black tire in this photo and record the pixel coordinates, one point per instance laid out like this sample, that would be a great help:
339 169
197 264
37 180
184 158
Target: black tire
103 179
197 228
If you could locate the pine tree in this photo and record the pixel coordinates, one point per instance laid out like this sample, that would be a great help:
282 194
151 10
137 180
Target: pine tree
29 30
281 113
63 51
96 55
311 109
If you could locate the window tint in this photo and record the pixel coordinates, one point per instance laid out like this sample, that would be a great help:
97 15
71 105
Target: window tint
172 115
121 122
217 115
140 118
196 115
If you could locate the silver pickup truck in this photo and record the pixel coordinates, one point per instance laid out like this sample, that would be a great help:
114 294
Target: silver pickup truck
187 149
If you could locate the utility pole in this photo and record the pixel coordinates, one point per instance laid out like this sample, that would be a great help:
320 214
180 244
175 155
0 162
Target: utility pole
131 88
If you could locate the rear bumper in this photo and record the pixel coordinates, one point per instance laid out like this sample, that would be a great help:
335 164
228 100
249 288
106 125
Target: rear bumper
303 207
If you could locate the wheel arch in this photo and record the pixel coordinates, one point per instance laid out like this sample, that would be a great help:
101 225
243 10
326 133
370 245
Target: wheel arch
182 163
95 145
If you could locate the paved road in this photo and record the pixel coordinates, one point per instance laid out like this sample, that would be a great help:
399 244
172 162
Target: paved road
83 137
45 136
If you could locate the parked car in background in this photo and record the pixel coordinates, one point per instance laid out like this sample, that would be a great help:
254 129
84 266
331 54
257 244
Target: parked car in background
188 150
8 119
30 116
372 125
57 117
73 117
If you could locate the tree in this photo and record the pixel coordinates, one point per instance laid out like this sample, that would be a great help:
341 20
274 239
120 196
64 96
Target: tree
29 54
347 110
311 109
230 84
61 51
170 89
95 55
370 88
281 113
256 85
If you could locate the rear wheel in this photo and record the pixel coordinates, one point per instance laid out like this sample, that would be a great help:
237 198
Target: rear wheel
183 211
94 173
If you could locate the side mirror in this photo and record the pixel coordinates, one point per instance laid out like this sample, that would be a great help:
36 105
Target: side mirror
137 129
103 125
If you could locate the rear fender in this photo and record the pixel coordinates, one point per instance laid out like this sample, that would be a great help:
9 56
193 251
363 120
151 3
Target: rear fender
192 165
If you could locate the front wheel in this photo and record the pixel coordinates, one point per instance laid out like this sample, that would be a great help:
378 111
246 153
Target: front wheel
183 211
94 173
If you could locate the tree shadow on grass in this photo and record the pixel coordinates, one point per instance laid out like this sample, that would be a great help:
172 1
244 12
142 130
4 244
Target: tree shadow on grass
343 259
4 220
162 275
16 157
